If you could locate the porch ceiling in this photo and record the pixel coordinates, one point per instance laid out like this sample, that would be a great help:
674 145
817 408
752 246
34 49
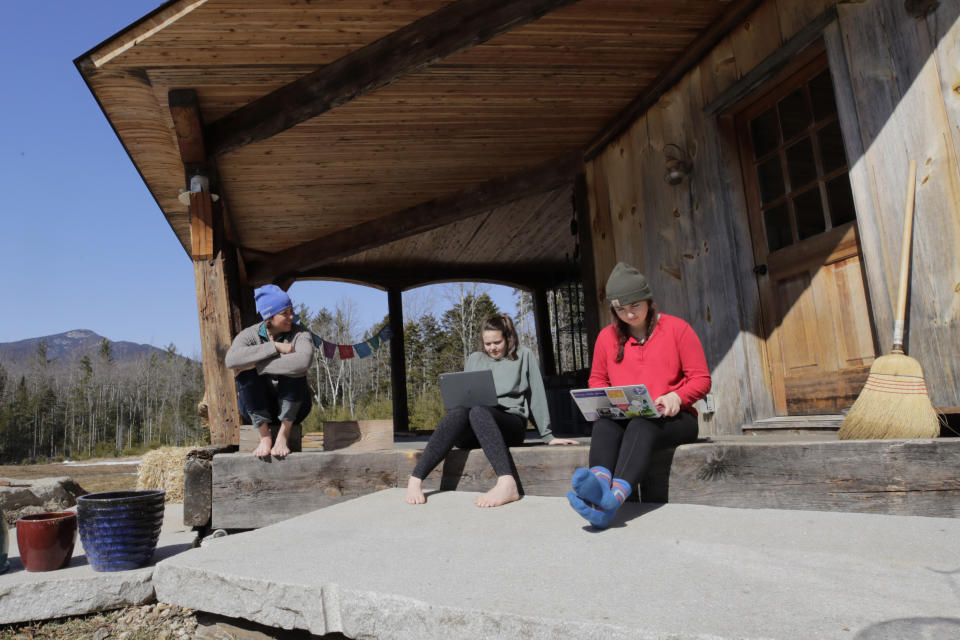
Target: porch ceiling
536 92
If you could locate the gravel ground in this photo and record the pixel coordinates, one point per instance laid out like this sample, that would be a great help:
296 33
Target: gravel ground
152 622
147 622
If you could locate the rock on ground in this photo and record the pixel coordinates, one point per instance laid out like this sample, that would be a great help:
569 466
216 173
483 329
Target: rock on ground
22 497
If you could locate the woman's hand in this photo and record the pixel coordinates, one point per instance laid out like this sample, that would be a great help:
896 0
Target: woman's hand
284 347
668 404
562 441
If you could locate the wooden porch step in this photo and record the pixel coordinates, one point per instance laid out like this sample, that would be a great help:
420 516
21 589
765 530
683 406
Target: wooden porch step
822 424
905 477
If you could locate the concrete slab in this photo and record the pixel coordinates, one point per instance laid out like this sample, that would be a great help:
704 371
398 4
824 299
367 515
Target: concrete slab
375 567
77 589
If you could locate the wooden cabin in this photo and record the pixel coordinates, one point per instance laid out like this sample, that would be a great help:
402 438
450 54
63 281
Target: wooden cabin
749 156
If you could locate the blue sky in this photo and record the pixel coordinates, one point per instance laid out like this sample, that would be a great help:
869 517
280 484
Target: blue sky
83 245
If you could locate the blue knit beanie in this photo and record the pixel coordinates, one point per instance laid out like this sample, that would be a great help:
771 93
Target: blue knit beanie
271 300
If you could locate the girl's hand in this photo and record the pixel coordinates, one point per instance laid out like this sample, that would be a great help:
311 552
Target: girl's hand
560 441
668 404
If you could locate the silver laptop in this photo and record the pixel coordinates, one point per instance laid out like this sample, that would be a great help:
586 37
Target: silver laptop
468 389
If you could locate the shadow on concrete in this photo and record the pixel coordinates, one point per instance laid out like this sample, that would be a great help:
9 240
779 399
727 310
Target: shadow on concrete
900 628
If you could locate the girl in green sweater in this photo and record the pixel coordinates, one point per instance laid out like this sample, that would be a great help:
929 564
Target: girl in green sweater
520 396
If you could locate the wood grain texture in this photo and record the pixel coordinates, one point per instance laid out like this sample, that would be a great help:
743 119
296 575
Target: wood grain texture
358 435
901 477
453 28
897 92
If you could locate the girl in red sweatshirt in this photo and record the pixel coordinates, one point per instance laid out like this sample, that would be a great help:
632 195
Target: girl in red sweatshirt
640 346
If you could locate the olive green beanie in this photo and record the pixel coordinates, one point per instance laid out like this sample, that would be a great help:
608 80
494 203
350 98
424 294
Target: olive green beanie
626 285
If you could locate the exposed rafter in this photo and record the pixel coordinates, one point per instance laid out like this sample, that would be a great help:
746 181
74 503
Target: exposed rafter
457 26
408 276
417 219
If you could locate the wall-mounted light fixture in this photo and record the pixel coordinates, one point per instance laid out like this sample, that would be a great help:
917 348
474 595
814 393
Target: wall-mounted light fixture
198 183
678 164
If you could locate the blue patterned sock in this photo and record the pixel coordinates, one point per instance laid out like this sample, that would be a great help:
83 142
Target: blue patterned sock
619 492
599 518
592 485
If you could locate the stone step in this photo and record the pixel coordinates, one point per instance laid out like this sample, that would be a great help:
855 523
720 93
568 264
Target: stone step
379 568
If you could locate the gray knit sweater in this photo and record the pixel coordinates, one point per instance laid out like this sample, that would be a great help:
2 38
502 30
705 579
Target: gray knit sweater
252 347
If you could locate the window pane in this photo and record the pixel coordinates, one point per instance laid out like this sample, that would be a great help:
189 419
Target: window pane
794 116
764 132
777 222
800 164
840 199
770 177
821 95
809 212
831 147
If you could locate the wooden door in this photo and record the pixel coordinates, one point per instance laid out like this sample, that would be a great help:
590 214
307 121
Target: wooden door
817 327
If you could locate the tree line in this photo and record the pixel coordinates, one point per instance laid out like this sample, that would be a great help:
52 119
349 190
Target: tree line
98 407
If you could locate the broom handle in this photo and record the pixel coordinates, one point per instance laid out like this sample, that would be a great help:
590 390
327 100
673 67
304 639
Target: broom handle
901 308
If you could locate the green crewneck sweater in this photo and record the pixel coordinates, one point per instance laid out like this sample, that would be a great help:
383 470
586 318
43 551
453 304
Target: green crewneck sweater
519 386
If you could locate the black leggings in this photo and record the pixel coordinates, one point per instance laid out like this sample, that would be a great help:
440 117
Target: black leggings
625 447
487 427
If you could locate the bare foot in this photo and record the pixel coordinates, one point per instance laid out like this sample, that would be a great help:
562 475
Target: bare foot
280 448
263 449
503 492
415 491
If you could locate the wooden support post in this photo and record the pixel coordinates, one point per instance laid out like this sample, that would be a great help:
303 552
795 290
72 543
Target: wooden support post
581 207
398 360
220 300
541 318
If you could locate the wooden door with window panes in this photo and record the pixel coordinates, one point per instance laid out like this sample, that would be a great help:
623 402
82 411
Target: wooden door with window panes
819 338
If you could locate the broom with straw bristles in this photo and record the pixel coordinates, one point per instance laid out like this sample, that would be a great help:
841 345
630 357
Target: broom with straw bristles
894 401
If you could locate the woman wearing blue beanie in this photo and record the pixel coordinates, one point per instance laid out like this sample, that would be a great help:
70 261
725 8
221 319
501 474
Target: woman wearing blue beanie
271 359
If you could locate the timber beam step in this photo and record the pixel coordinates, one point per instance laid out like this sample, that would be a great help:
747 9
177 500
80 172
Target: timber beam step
902 477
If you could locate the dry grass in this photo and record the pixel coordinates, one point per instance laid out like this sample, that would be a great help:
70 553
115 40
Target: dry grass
113 477
163 469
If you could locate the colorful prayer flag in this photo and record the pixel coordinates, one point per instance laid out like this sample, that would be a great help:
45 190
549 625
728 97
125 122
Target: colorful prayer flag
317 340
386 333
346 351
362 349
329 349
374 342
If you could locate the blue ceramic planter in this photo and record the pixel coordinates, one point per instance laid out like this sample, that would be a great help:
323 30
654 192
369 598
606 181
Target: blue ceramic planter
4 543
119 529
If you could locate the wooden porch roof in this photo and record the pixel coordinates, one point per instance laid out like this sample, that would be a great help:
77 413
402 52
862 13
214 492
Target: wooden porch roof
346 132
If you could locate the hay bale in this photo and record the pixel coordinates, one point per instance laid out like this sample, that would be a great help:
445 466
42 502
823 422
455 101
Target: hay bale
163 469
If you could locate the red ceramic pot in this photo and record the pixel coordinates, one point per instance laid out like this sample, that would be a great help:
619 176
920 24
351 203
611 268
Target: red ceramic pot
46 540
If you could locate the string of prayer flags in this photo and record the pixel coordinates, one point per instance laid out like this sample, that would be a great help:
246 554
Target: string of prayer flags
329 350
346 351
362 349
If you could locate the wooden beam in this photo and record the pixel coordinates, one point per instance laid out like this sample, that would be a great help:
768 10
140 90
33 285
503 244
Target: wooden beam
405 276
541 319
581 208
457 26
736 13
398 361
144 28
774 63
215 266
418 219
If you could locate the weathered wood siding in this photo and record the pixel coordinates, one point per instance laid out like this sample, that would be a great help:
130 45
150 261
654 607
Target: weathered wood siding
904 101
898 89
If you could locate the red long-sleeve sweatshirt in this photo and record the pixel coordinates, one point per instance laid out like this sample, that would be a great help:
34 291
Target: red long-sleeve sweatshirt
672 359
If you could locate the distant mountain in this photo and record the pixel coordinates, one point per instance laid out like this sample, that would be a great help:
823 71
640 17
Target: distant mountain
67 349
